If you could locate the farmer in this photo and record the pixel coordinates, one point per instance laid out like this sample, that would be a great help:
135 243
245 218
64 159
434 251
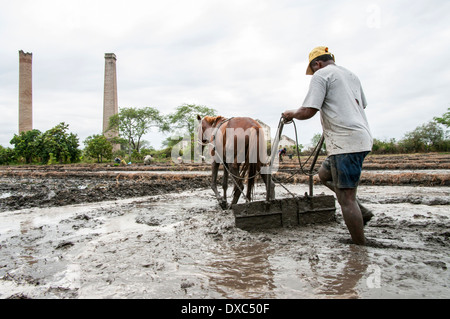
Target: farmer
337 93
281 153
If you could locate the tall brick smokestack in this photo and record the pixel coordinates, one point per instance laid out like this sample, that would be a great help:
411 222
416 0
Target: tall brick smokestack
25 92
110 104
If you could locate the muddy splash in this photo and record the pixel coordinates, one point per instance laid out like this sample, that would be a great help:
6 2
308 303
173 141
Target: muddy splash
182 245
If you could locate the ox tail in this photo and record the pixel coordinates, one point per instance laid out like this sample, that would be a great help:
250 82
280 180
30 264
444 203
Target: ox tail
252 161
252 171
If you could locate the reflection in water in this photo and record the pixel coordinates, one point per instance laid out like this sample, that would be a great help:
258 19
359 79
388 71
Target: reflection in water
28 250
343 284
242 272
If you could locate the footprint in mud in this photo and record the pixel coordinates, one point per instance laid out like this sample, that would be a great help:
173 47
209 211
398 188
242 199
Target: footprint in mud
81 221
436 263
370 242
148 220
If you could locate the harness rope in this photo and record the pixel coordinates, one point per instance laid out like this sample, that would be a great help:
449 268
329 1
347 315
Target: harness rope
301 170
280 125
233 176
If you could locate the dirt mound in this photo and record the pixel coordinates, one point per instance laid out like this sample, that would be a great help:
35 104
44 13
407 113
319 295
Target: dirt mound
40 191
182 245
57 185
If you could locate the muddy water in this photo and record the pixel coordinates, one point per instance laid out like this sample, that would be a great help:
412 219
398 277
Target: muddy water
183 246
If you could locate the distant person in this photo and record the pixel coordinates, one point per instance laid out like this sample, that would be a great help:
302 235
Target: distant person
337 93
281 153
148 159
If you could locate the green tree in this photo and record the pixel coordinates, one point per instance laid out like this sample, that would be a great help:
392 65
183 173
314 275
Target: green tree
58 144
183 122
99 147
7 155
425 138
315 141
26 144
445 119
184 119
385 147
133 123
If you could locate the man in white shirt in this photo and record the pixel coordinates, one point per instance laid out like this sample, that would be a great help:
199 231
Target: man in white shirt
337 94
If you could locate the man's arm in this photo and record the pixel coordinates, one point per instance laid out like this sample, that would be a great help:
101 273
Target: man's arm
302 113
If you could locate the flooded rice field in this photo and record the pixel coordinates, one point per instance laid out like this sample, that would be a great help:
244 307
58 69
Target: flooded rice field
168 238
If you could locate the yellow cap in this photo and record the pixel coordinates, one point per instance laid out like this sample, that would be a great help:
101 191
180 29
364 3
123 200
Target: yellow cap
316 52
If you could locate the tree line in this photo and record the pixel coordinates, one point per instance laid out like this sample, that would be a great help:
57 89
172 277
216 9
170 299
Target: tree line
429 137
58 145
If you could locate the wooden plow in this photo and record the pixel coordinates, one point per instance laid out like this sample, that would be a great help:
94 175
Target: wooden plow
289 211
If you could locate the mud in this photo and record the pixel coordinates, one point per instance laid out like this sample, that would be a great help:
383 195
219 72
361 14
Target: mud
42 191
177 243
58 185
99 231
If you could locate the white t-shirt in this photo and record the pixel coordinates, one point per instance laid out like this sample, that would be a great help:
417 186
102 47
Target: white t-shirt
337 94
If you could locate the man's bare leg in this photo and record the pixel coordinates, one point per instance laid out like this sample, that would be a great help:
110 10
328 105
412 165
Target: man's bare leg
350 209
327 180
352 214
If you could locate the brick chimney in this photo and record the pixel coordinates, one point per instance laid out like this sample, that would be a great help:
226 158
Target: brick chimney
25 92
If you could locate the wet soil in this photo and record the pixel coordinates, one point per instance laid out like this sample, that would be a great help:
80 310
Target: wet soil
55 185
59 191
104 233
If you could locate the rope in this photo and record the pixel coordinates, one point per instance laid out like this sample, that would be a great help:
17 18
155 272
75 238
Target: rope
280 125
302 170
233 176
298 154
217 153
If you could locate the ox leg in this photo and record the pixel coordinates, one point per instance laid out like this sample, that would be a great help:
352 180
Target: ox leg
270 186
223 203
215 170
237 190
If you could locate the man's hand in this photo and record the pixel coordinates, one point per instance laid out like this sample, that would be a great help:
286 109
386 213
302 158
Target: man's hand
303 113
288 115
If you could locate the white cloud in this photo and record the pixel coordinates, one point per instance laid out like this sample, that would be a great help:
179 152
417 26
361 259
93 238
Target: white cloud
240 57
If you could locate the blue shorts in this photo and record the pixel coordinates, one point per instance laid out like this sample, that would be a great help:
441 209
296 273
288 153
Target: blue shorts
345 168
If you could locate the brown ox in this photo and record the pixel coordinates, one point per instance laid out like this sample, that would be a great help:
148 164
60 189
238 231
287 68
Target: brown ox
239 144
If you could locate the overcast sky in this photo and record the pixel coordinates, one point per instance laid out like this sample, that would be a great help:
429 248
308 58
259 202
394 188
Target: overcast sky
242 58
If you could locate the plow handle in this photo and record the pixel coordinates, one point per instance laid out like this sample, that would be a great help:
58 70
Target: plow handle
311 182
274 150
273 153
